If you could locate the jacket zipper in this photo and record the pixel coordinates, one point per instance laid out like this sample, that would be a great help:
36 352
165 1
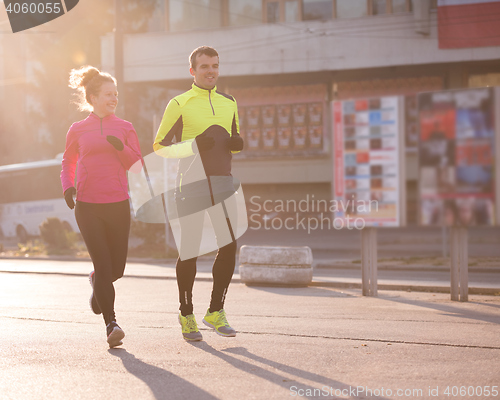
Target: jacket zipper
210 101
102 134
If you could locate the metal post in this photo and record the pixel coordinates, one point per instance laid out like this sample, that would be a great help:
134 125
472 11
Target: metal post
454 264
459 265
444 240
464 266
369 261
119 75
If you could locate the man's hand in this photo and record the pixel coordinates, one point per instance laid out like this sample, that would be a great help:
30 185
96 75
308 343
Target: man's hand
235 143
117 143
203 143
68 196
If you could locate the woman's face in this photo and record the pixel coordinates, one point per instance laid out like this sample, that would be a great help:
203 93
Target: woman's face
105 102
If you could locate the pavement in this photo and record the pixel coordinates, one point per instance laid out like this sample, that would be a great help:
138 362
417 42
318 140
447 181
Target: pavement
321 341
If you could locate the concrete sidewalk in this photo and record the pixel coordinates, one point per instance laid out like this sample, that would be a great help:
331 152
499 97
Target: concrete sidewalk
314 342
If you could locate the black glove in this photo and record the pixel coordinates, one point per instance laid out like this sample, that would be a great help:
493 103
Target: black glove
235 143
68 196
203 143
117 143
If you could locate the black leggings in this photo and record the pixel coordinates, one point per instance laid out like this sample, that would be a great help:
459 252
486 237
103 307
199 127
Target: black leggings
105 229
222 273
222 270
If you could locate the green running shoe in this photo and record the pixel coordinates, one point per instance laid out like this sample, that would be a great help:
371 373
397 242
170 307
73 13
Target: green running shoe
217 320
190 328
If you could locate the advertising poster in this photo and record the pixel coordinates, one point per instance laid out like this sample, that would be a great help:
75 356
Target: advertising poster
456 157
366 160
253 128
315 127
411 123
282 121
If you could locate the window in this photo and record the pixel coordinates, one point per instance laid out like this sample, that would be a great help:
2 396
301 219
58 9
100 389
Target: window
282 11
205 14
351 9
273 12
195 14
245 12
379 7
401 6
317 9
291 11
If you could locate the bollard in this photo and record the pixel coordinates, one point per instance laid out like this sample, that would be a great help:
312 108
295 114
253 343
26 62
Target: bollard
369 261
459 266
275 265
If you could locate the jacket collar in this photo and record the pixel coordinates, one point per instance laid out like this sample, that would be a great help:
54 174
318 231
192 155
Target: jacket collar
107 117
201 90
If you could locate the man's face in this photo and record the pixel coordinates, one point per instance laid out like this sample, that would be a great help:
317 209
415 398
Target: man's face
206 71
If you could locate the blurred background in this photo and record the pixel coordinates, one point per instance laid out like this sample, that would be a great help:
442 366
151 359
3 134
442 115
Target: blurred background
388 100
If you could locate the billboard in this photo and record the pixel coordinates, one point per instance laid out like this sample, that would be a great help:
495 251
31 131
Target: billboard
456 157
367 160
282 121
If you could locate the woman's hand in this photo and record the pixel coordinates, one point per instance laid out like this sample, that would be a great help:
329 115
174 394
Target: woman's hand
68 196
117 143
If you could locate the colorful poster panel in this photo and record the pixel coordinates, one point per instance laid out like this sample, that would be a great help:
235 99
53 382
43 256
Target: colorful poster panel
456 157
366 160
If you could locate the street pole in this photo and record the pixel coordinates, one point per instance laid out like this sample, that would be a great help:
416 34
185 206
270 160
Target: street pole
118 41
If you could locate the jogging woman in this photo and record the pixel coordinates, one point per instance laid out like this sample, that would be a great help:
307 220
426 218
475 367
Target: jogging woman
105 147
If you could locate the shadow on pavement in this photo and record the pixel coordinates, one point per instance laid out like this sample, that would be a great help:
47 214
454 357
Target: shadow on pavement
449 310
325 384
163 384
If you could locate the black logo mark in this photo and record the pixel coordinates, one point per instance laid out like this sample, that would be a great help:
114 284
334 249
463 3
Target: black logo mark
26 14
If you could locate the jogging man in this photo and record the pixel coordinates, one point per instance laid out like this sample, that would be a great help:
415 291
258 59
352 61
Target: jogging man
202 123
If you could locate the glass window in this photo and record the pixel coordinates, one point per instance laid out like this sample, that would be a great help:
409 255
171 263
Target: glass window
291 11
195 14
156 22
399 6
351 9
273 12
245 12
317 9
379 7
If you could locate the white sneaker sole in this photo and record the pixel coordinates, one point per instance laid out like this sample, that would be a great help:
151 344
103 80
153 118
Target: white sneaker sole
196 339
115 337
218 333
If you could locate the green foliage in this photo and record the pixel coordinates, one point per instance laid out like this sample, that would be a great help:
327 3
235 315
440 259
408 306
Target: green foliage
153 241
31 248
57 239
149 233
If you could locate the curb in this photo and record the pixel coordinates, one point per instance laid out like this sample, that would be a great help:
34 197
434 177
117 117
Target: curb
338 285
326 265
331 265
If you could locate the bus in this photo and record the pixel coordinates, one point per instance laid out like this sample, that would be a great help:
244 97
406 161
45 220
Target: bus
30 193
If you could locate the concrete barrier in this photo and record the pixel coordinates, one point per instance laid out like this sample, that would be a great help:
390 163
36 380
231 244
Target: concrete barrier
275 265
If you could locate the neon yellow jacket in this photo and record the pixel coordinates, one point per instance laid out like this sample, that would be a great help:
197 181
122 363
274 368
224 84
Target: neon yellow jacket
189 115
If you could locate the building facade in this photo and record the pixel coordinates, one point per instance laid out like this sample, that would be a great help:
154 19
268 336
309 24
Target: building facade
286 62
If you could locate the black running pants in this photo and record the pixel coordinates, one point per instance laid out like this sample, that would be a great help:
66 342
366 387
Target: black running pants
222 270
105 229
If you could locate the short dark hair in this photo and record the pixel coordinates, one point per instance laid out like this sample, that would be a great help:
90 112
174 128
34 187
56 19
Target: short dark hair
207 50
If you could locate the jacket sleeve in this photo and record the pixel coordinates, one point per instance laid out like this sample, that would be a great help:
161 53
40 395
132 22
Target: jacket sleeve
235 126
69 160
170 129
131 152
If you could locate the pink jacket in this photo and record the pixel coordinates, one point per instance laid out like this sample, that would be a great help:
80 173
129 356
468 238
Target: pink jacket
102 169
